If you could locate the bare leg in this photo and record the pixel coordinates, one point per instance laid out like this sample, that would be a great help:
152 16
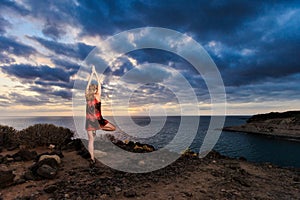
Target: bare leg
109 127
91 144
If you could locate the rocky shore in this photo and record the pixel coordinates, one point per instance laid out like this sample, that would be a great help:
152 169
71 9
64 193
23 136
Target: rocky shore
58 168
284 125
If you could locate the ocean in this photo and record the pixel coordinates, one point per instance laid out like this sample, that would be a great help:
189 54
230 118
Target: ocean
254 148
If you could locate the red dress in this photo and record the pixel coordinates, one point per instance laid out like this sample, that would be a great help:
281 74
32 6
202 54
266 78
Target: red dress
94 119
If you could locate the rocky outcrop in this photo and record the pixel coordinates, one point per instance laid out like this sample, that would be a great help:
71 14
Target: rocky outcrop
281 125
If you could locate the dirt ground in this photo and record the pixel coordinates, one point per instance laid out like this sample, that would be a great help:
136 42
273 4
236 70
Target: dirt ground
213 177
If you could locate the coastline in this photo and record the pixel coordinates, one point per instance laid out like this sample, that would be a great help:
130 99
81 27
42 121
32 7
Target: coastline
190 177
266 134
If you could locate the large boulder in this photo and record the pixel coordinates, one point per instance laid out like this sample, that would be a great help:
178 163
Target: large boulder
46 167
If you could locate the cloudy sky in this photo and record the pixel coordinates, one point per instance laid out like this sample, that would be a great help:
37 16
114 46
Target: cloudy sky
254 44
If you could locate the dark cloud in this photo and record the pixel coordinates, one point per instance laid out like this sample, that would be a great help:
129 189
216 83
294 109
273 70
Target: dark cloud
67 85
41 79
45 90
3 25
257 41
276 89
68 65
152 94
201 17
238 25
275 59
10 45
6 59
149 74
78 50
98 17
14 6
66 94
56 15
53 31
155 56
42 72
19 99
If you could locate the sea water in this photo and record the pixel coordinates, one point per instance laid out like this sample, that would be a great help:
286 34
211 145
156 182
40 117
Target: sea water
255 148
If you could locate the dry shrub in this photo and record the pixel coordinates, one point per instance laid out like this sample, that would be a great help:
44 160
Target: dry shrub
44 134
7 135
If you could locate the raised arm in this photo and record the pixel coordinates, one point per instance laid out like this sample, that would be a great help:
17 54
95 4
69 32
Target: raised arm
89 82
99 81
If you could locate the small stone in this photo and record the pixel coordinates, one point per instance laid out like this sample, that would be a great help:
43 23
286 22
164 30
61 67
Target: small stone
71 173
129 193
204 191
50 188
147 185
20 181
67 196
103 196
141 163
241 181
117 189
187 194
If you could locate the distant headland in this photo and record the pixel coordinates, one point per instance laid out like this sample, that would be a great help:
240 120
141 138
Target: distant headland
285 125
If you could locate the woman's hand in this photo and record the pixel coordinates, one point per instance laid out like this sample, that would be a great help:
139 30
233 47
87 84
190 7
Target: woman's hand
93 69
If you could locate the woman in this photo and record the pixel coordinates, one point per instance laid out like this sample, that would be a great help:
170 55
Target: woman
94 119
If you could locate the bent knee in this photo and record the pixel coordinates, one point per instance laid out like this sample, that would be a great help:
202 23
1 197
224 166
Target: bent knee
109 128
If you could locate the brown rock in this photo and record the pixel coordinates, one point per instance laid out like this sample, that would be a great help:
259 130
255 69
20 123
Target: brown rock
50 188
46 171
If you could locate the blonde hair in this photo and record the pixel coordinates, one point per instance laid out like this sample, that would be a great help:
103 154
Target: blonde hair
90 95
